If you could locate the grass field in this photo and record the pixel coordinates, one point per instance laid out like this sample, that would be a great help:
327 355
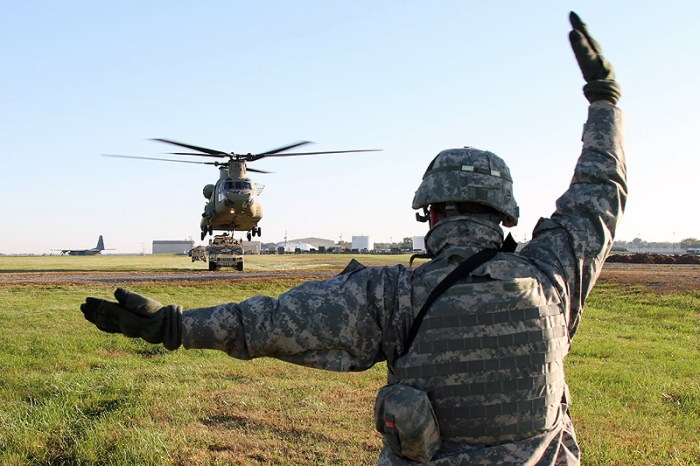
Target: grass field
70 394
169 262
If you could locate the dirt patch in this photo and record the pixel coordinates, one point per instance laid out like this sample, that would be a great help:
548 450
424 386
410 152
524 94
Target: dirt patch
660 278
656 277
643 258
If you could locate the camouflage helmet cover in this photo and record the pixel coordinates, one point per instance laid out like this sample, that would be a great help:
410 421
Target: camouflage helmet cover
469 175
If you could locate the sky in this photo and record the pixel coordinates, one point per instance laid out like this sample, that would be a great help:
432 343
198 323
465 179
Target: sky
84 78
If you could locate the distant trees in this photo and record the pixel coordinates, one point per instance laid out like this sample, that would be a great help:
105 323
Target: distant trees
640 244
690 243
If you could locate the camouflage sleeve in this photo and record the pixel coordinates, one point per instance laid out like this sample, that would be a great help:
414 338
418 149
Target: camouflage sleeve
335 324
572 245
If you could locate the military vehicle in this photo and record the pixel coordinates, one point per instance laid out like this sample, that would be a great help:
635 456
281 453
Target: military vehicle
198 254
232 202
224 251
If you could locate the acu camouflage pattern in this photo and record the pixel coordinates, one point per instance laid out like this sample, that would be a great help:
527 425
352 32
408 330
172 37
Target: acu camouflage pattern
405 417
489 353
469 175
362 316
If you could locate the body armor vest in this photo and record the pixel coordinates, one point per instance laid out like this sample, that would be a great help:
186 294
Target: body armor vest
490 356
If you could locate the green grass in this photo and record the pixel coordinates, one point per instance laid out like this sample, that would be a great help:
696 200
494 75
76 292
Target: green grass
635 378
70 394
171 262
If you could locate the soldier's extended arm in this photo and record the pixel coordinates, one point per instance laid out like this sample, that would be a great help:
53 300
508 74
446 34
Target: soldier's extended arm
335 324
572 245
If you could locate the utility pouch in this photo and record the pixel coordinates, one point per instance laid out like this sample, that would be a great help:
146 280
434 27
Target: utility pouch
407 422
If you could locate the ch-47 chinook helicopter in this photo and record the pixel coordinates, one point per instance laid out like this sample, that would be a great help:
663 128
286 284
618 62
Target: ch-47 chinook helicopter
232 202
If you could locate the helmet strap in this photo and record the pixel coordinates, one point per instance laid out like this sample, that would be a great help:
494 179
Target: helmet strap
423 218
451 209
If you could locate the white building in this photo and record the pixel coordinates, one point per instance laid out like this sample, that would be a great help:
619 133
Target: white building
362 243
419 243
292 246
251 247
172 246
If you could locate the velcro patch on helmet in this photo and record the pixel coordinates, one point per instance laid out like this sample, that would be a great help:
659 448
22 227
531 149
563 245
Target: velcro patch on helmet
473 169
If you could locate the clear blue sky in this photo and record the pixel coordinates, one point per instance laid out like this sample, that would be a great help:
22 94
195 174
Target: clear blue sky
82 78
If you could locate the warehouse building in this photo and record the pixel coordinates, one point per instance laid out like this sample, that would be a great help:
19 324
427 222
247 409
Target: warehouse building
251 247
172 246
293 246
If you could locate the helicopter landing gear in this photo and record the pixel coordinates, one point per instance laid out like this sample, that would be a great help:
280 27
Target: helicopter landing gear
254 232
205 232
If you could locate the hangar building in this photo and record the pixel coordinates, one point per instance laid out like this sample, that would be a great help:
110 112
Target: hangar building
172 246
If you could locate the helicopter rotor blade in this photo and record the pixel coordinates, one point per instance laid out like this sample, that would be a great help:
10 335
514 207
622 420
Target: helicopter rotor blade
195 154
280 149
254 157
158 159
292 154
216 163
211 152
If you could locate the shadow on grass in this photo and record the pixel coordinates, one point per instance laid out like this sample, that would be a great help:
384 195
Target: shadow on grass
301 437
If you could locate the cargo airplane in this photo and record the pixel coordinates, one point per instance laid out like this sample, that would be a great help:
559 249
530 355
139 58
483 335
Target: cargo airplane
85 252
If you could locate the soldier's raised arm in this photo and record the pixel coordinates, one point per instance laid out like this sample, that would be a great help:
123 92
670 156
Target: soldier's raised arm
572 245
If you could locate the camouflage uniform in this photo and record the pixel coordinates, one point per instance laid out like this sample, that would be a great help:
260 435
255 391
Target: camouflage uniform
363 315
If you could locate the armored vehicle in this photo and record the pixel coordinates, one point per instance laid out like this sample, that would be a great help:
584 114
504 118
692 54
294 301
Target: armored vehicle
224 251
198 254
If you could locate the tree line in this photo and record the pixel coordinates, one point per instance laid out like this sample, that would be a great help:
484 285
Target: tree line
639 243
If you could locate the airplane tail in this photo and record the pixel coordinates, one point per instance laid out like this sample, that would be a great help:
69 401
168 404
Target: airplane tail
100 244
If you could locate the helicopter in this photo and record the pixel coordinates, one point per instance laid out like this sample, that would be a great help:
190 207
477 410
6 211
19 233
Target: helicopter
232 202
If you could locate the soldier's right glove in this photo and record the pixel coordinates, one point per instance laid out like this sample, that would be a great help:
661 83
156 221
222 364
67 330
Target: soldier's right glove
597 71
136 316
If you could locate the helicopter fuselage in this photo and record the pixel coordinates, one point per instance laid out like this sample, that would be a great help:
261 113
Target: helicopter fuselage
232 203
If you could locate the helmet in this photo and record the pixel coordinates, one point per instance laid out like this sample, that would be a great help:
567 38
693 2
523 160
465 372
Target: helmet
469 175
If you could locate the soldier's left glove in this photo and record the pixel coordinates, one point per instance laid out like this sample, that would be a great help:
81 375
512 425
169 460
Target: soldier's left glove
597 71
136 316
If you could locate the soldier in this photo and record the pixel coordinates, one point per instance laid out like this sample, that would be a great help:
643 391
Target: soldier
474 339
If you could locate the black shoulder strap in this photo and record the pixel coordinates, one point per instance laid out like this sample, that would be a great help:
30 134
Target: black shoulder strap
461 271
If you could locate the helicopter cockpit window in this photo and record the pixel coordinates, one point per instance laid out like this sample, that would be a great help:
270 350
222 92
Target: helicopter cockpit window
242 185
237 185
